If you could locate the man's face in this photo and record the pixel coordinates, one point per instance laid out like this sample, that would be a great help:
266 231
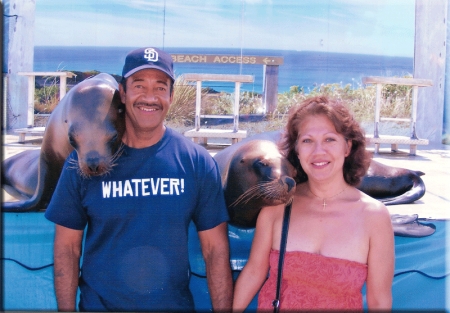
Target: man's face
147 99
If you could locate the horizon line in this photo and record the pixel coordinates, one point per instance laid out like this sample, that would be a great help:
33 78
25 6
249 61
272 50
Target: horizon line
228 48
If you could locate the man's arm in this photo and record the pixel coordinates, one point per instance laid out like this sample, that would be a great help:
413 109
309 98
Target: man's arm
66 254
215 249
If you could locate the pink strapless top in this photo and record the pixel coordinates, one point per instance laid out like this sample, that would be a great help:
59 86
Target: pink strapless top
313 281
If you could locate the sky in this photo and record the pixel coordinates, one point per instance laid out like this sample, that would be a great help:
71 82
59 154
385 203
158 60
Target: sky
382 27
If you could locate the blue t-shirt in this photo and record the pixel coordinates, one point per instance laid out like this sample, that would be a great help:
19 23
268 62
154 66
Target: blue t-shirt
137 216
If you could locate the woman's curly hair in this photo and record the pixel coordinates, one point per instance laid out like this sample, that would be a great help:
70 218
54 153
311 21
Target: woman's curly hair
355 164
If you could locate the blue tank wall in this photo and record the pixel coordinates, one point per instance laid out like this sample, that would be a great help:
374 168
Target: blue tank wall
27 264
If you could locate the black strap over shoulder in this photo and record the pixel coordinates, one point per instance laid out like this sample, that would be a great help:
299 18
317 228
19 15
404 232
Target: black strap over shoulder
284 233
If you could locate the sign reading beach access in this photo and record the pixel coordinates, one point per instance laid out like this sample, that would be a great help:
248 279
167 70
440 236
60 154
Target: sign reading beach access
270 65
226 59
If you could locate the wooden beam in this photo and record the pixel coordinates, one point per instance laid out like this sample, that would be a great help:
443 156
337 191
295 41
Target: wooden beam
397 81
219 77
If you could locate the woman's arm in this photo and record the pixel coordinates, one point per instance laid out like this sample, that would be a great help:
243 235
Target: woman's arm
255 271
380 261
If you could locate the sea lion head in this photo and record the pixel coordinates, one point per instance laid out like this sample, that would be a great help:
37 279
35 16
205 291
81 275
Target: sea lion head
258 175
95 125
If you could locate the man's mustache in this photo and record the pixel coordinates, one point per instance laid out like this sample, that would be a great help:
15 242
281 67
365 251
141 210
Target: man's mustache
148 104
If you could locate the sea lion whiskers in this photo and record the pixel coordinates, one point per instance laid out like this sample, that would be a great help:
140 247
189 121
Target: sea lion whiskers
112 161
73 163
82 174
117 154
249 194
270 190
109 164
75 166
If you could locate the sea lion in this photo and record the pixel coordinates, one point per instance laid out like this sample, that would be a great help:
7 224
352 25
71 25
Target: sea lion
392 185
253 170
89 119
256 176
19 177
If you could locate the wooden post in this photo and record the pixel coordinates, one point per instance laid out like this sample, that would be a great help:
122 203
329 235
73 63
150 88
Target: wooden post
198 104
30 114
377 111
62 86
237 91
270 88
415 92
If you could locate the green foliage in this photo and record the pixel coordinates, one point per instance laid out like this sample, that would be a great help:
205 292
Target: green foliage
396 101
217 104
47 97
222 103
182 109
250 103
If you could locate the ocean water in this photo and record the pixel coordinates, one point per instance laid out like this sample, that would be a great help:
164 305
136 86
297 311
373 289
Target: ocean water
301 68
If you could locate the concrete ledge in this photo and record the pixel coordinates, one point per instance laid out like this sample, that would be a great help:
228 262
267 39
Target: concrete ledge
204 134
394 141
34 131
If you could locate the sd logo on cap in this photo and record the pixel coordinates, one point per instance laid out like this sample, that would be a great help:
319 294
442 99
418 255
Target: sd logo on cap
144 58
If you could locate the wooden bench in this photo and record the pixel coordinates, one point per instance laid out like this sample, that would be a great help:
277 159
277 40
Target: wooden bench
201 135
394 141
32 131
39 131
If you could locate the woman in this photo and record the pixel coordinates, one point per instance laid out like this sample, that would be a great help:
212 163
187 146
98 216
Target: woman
338 237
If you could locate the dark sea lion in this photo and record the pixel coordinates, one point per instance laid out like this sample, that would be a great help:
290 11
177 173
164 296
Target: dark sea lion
88 119
255 175
392 185
19 177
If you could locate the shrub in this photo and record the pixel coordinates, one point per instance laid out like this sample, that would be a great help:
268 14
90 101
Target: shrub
182 109
396 101
47 97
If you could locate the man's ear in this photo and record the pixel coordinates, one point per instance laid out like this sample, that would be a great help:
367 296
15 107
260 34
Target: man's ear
122 93
172 92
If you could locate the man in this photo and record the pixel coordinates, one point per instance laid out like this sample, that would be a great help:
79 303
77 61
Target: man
137 217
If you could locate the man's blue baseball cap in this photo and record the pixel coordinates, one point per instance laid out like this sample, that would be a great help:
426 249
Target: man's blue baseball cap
144 58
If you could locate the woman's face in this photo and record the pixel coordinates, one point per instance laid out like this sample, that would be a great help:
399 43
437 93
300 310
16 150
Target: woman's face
321 149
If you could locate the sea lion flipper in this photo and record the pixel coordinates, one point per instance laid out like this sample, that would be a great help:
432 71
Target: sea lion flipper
415 229
398 219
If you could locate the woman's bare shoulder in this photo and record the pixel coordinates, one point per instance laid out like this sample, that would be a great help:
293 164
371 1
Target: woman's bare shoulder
271 212
375 211
372 205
